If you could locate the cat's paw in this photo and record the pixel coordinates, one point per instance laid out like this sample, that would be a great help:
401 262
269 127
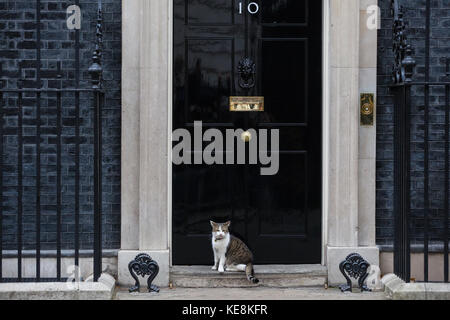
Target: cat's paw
214 268
221 270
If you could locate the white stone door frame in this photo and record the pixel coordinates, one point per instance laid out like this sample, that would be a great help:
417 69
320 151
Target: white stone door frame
349 67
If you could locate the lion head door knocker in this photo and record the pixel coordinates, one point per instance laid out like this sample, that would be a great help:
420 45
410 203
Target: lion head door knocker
247 73
356 267
143 265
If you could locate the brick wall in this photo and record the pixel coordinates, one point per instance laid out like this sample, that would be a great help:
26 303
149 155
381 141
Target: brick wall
415 14
18 50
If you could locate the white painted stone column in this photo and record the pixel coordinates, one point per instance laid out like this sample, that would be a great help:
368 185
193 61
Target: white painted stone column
145 151
130 126
367 134
350 208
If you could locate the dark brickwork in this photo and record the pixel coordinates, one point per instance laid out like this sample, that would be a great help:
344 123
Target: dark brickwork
18 50
415 15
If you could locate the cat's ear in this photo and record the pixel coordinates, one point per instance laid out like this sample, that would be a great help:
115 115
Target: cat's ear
213 224
227 224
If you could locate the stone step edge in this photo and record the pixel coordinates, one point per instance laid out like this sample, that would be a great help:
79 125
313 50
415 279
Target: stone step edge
207 272
241 275
192 277
224 282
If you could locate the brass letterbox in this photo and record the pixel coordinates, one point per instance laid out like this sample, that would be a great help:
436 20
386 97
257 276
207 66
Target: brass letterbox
246 104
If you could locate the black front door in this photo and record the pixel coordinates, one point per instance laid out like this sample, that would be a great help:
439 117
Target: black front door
278 216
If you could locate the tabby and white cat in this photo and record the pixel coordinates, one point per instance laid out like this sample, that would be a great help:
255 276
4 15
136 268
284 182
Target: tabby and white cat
230 253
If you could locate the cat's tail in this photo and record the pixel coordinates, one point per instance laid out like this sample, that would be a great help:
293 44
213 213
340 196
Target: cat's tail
250 272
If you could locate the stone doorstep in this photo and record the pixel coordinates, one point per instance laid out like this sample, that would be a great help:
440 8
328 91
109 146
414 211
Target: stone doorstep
88 290
398 289
248 294
275 276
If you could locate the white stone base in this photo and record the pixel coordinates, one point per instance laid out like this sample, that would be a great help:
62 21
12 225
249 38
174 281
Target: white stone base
336 255
88 290
48 267
397 289
161 257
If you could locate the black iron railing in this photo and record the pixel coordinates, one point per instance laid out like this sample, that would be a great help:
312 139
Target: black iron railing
407 94
16 97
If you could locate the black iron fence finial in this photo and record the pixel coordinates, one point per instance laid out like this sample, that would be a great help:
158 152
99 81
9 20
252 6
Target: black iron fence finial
403 69
408 64
96 70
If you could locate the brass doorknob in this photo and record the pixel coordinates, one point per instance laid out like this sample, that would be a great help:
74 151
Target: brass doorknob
246 136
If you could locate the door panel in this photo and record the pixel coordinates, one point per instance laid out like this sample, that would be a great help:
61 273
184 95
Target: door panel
284 11
284 80
209 65
201 12
278 216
